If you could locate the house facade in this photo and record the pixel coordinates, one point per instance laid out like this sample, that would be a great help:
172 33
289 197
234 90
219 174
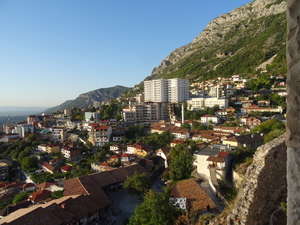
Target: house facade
100 135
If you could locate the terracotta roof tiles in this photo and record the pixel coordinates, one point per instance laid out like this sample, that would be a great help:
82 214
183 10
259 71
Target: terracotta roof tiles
196 196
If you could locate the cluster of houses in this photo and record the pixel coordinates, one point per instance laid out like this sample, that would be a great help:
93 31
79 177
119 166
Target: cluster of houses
86 198
38 193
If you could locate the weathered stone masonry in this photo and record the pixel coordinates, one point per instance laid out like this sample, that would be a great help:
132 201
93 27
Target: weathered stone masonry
293 111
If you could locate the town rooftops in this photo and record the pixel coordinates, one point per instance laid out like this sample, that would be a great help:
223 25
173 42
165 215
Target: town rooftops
40 195
102 128
197 198
213 150
66 210
247 138
66 168
14 207
47 185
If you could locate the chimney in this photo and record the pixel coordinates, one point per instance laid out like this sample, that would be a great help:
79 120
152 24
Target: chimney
63 206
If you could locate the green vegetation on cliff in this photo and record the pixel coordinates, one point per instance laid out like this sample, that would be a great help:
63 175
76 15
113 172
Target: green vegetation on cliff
246 46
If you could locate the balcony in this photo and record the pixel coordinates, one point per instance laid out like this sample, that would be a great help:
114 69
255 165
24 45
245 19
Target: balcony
216 167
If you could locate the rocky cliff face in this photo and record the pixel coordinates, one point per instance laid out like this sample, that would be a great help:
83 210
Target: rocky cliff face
219 27
264 187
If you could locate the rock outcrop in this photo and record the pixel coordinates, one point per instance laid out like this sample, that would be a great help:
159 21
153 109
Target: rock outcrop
218 27
264 187
293 118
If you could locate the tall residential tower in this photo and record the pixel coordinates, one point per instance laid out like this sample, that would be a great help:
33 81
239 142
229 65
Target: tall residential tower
166 90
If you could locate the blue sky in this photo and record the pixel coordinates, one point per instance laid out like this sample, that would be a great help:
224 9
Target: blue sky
52 51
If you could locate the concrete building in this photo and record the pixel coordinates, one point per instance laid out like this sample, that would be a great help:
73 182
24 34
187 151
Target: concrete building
100 135
22 128
166 90
149 112
93 115
59 134
211 102
198 103
212 162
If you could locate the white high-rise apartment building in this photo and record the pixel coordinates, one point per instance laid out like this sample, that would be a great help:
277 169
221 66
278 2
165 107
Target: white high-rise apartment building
166 90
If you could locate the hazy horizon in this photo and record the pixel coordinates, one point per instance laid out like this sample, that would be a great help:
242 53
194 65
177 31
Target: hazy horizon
21 111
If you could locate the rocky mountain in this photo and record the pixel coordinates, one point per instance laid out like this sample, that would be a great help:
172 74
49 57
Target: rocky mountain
87 99
244 40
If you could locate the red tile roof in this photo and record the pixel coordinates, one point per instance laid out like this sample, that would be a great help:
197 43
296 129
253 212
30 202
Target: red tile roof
86 186
223 154
195 195
102 128
14 185
66 168
47 185
40 195
28 185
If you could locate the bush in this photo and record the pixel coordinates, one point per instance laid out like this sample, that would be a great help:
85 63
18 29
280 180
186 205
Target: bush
20 197
57 194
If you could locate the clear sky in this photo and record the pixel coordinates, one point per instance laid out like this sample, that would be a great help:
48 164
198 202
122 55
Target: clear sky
54 50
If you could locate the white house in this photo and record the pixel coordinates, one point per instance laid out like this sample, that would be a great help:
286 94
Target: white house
206 119
215 158
42 148
130 149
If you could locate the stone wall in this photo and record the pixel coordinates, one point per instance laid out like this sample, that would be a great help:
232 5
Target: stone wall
264 187
293 107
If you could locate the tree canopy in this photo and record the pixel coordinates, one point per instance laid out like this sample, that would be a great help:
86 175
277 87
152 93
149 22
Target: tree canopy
156 209
138 184
271 128
20 197
181 164
157 140
29 163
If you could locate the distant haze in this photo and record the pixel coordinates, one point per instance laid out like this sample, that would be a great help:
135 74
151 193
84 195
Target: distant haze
20 111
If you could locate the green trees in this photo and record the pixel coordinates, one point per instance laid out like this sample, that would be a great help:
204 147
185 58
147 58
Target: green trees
271 128
108 111
20 197
186 126
279 100
181 164
77 114
138 184
263 81
41 177
29 163
135 131
156 209
157 140
83 167
198 126
57 194
118 117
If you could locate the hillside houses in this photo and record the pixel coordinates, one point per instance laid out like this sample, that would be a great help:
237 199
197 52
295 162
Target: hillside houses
110 154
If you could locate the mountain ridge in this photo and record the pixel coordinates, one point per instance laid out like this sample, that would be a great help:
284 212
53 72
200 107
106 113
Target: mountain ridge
87 99
210 44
